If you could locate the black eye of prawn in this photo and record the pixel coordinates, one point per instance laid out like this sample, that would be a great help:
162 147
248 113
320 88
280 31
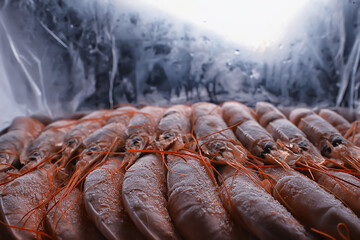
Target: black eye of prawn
302 145
326 150
71 142
268 146
168 135
220 148
34 156
136 140
91 151
337 141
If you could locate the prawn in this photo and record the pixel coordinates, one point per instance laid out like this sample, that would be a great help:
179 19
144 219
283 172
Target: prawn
89 124
298 193
342 185
13 144
214 139
103 201
301 196
141 131
174 127
49 143
108 139
241 190
84 127
191 191
348 130
250 133
326 138
281 128
20 198
335 119
144 197
68 220
102 193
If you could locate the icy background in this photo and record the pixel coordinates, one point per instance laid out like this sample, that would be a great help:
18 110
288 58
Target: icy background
61 56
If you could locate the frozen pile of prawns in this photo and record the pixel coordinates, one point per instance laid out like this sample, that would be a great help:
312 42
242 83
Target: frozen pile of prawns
184 172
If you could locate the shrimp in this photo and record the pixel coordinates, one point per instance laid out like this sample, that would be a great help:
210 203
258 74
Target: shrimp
141 130
298 193
89 124
13 144
49 143
98 145
326 138
191 191
281 128
84 127
21 198
342 185
122 115
174 127
68 220
335 119
214 137
349 131
314 206
102 193
254 208
253 137
144 197
103 201
242 191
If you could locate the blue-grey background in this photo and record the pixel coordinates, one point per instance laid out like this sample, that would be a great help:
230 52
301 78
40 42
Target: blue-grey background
61 56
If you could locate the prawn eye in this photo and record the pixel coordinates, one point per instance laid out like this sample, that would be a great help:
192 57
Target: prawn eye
136 140
220 148
302 145
91 151
326 150
337 141
168 135
71 142
4 156
34 156
268 146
